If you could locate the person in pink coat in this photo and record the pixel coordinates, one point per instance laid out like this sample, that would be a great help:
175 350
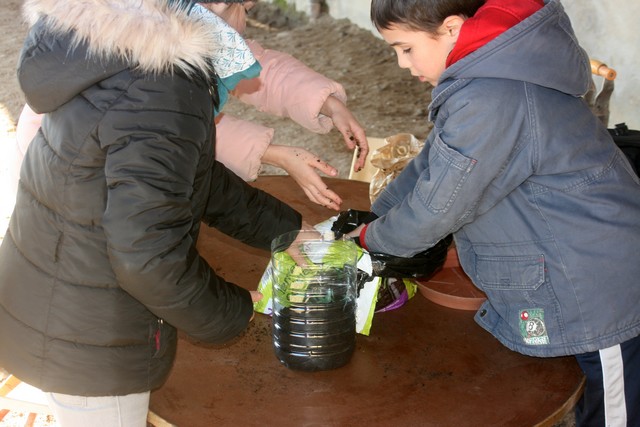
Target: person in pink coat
285 87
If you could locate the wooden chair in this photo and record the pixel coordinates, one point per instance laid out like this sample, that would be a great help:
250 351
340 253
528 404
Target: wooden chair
34 409
599 101
8 404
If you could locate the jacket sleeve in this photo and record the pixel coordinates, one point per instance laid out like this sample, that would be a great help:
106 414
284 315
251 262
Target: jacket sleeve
151 171
257 217
288 88
465 168
240 145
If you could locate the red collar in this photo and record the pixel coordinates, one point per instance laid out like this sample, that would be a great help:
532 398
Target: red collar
492 19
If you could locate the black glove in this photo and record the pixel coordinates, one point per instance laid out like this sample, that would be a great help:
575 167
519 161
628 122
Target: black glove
349 220
421 265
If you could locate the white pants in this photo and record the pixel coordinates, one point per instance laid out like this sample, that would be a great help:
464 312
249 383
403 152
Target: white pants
102 411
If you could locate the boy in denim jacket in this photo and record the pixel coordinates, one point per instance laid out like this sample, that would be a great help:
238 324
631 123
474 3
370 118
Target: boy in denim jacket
544 208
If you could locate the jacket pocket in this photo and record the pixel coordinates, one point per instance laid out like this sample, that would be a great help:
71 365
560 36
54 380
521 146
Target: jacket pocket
511 273
521 294
448 171
514 283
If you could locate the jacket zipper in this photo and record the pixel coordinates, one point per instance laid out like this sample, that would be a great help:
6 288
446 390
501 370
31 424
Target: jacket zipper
158 334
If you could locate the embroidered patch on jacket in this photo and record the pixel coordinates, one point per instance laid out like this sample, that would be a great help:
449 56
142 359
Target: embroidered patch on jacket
532 326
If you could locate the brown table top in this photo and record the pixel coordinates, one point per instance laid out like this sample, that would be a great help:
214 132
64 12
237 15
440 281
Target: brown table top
422 364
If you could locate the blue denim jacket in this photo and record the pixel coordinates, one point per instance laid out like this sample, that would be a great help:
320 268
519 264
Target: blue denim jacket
544 208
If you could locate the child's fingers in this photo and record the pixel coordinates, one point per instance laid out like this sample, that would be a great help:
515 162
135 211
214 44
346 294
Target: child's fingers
330 199
358 141
323 167
256 296
325 197
295 252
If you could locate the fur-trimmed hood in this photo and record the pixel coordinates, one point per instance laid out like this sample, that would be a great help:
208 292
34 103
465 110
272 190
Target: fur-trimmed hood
75 44
156 35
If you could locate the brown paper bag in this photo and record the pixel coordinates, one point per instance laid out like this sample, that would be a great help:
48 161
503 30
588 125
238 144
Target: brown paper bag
390 159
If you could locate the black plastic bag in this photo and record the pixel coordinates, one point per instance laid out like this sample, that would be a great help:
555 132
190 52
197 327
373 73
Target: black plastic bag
629 142
419 266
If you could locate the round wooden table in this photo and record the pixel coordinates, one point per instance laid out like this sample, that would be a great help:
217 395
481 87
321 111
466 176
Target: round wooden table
421 365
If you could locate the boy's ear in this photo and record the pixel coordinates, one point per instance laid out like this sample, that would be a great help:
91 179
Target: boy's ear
452 24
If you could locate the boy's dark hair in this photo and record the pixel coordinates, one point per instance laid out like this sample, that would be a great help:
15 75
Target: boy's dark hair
420 15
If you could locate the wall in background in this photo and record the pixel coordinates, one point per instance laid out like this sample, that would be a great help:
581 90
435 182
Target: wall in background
607 30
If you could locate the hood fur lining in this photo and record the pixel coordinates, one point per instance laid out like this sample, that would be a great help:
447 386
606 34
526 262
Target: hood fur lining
152 35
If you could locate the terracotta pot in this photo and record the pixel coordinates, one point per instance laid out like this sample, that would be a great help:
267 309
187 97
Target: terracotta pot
451 287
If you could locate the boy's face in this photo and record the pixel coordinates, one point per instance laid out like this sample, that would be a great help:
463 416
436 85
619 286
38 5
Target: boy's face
423 53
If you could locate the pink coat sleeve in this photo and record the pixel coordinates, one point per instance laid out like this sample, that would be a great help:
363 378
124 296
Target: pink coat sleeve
28 125
288 88
240 145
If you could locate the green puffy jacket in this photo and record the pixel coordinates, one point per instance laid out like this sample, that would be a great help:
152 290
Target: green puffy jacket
99 265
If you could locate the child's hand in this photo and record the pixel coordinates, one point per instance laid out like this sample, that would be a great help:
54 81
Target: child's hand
353 134
294 250
356 232
255 297
304 168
